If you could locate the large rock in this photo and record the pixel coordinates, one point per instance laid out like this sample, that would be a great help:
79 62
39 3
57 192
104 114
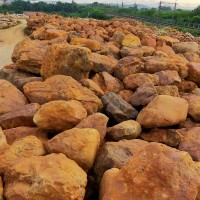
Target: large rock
116 154
78 144
131 40
107 82
59 115
186 86
194 72
102 63
158 172
168 77
126 95
11 98
68 60
194 106
3 142
45 177
90 84
170 137
61 87
20 117
17 77
29 54
171 90
163 111
155 64
117 108
143 95
131 51
125 130
133 81
93 45
97 121
14 134
191 143
126 66
22 148
184 47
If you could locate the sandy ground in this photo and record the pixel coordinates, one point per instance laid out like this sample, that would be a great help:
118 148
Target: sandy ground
8 39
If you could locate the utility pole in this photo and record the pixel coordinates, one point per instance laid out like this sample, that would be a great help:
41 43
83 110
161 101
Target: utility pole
122 3
175 4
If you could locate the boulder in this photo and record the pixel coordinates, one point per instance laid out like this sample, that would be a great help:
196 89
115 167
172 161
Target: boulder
20 117
11 98
194 72
143 95
18 78
131 51
125 130
60 87
163 111
107 82
103 63
3 142
170 137
78 144
97 121
171 90
148 41
117 108
133 81
168 77
186 86
1 189
131 40
167 40
45 177
14 134
94 87
194 106
155 64
93 45
65 59
111 50
29 54
116 154
184 47
126 66
59 115
158 172
22 148
192 57
191 143
126 95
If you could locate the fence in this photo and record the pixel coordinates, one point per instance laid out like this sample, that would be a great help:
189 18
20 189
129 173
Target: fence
165 22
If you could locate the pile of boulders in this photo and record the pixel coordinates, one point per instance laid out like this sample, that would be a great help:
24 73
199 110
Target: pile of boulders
104 110
7 21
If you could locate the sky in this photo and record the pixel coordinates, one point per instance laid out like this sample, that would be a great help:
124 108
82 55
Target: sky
153 3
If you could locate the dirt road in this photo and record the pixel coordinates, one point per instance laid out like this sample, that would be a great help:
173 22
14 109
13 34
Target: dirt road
8 39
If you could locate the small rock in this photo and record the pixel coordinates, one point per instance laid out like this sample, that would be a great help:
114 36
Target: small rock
133 81
11 98
97 121
107 82
191 143
20 117
117 108
143 95
125 130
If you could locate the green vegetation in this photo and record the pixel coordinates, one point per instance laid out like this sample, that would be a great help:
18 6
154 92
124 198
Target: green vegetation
100 11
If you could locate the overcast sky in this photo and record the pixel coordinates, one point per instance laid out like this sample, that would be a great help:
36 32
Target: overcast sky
153 3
